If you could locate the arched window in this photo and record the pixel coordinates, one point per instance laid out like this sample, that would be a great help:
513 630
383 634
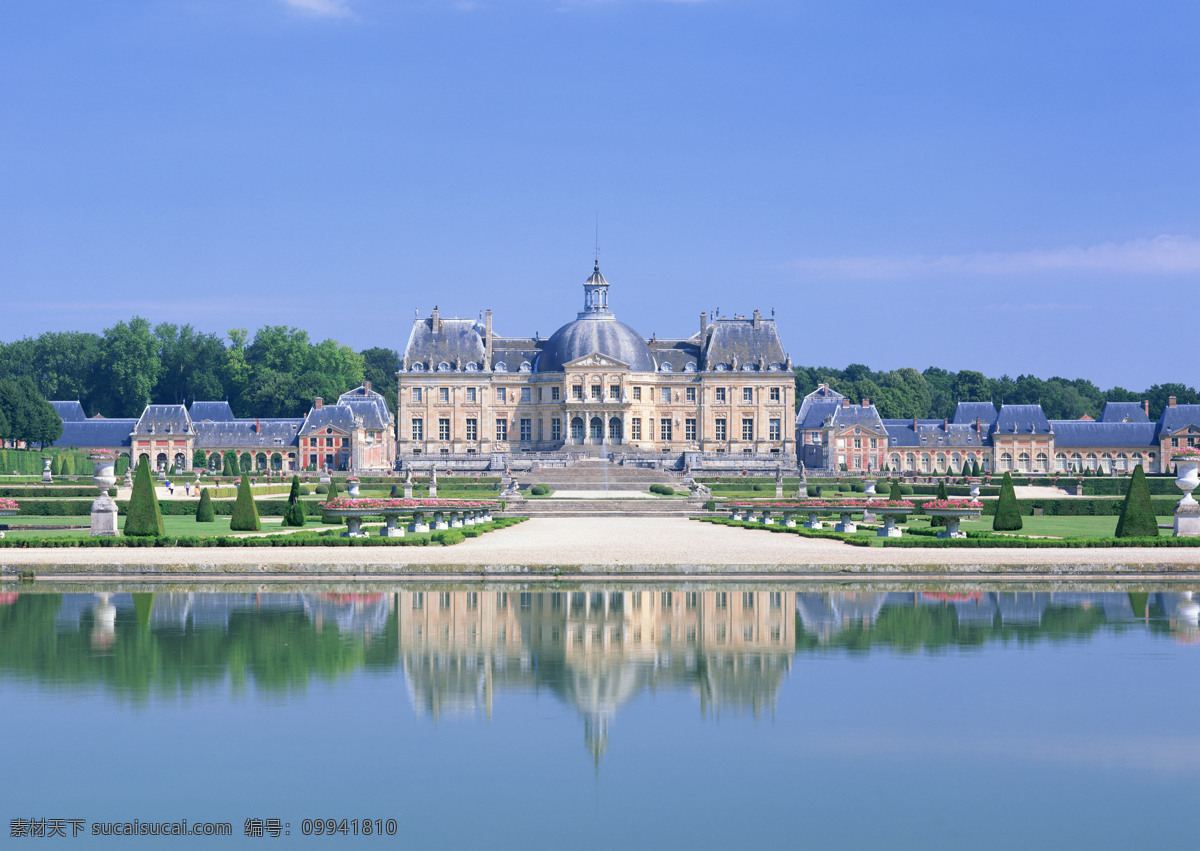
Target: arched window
525 366
941 462
1023 460
720 367
472 367
665 367
1006 461
1041 462
596 429
748 367
500 366
924 463
1060 462
895 463
443 367
775 367
689 367
577 429
910 462
614 428
1090 461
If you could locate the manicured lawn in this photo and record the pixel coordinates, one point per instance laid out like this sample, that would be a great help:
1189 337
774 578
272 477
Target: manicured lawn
175 526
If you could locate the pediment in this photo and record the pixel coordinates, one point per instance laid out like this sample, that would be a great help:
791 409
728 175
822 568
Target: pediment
594 360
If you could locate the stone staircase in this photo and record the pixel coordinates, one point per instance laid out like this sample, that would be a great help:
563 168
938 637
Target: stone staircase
600 475
659 507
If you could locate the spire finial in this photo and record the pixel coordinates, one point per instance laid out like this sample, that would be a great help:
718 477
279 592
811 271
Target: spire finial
597 255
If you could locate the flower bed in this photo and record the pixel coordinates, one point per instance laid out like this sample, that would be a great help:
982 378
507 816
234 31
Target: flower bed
952 504
343 503
7 504
808 504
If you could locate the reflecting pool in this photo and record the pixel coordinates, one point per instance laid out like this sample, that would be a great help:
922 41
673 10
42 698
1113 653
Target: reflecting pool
885 714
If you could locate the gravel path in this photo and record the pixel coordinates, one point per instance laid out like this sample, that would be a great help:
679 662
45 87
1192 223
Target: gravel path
612 541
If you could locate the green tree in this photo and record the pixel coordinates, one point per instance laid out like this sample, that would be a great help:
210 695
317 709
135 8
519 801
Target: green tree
379 367
1137 512
193 365
245 513
29 417
970 386
1008 511
245 462
130 368
230 466
294 514
143 517
941 494
199 459
204 511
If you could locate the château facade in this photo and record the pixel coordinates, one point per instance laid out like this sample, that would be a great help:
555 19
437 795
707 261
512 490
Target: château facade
596 386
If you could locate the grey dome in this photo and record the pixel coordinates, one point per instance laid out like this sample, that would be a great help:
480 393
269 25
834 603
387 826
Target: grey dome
604 335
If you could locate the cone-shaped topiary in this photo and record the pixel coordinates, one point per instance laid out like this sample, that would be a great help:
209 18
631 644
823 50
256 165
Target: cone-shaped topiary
228 468
966 470
245 514
896 492
293 515
1008 511
1137 513
330 497
143 517
204 511
55 466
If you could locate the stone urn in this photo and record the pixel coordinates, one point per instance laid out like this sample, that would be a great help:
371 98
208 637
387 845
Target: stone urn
1187 512
47 476
352 488
104 509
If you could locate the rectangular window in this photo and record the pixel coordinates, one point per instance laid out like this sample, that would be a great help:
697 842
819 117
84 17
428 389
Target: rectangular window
720 394
719 430
874 443
472 428
556 429
637 394
541 430
776 430
553 394
747 428
470 394
689 428
418 428
526 429
691 394
665 429
635 428
596 388
748 394
577 392
502 394
775 394
501 429
614 391
443 394
525 396
444 428
416 394
858 443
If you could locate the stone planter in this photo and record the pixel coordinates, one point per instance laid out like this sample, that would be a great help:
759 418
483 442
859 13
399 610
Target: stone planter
953 517
418 524
352 489
1187 512
354 518
889 515
104 509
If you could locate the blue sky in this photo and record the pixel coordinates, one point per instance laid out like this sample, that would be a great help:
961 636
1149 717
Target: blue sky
1009 187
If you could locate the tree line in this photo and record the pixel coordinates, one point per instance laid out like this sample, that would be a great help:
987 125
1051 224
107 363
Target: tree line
905 393
275 373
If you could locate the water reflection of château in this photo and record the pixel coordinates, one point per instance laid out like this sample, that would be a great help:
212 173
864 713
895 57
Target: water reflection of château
595 650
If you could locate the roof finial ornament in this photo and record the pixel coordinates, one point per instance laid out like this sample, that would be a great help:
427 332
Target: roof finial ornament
597 254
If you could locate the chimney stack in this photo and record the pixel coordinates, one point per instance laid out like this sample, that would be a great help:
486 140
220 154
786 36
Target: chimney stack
317 402
866 403
1170 401
945 424
757 320
366 388
845 402
435 320
703 326
914 424
1146 406
487 338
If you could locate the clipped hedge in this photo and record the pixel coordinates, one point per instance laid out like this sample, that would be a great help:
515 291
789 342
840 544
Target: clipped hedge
855 540
1018 543
51 491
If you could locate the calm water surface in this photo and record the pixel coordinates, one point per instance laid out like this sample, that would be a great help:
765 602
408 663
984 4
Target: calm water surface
698 716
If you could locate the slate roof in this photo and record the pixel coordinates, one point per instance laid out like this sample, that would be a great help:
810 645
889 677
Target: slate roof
509 353
340 417
737 342
933 434
216 411
97 432
247 434
164 419
677 353
857 415
822 395
69 411
1181 416
967 412
369 405
1021 419
600 333
1069 434
456 343
1117 412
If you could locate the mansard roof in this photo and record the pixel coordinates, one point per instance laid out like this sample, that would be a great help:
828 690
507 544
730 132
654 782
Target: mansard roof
511 354
340 417
965 413
69 411
164 419
217 412
813 412
1021 419
736 343
96 432
676 355
858 415
1180 416
368 405
1082 433
246 433
1124 412
454 342
932 434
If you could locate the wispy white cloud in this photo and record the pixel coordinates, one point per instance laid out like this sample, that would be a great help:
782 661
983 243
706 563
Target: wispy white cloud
1163 255
321 8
